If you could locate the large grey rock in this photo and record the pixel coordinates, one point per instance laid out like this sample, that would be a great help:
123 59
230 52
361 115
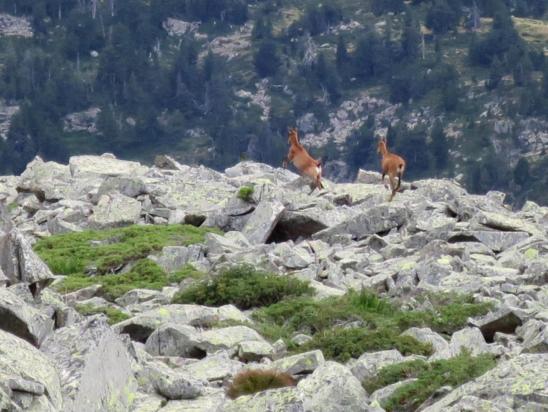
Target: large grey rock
368 177
427 335
103 166
254 350
333 388
301 363
31 371
142 325
534 334
174 258
517 384
115 210
229 243
20 263
504 320
23 320
262 222
47 180
128 186
177 386
211 401
276 400
212 368
367 365
226 338
374 220
174 340
95 367
469 339
499 241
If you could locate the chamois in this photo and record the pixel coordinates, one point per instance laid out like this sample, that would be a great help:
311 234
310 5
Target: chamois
305 163
391 164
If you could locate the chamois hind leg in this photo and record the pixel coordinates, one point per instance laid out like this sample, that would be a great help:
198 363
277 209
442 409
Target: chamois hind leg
393 187
382 180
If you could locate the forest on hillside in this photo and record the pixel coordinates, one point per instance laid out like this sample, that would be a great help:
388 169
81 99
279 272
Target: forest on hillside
163 93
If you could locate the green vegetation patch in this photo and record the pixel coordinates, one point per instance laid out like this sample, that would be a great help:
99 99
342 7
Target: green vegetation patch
342 344
108 250
252 381
105 252
347 326
245 287
430 377
146 274
246 193
114 315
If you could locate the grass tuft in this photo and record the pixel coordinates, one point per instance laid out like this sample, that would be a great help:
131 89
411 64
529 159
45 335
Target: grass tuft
245 287
246 193
256 380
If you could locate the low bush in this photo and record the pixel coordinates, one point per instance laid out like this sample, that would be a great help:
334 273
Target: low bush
246 193
256 380
245 287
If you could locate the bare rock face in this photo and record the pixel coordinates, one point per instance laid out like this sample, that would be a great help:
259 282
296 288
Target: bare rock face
433 237
23 320
115 210
95 366
26 370
19 263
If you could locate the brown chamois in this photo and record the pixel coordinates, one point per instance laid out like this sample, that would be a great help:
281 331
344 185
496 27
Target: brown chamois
392 165
305 163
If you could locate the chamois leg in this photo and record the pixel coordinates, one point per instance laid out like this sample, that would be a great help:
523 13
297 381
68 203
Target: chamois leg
382 180
393 186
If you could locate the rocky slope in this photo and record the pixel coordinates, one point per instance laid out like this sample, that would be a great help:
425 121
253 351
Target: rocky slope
165 356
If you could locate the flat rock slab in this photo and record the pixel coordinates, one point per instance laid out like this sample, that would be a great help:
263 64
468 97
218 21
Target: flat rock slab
115 210
262 221
301 363
103 166
141 326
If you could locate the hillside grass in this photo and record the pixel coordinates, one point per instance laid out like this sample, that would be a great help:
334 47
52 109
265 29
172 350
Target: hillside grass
103 253
347 326
430 377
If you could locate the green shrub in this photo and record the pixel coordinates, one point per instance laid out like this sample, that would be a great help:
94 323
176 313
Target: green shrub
378 320
246 193
430 377
342 344
245 287
114 315
146 274
252 381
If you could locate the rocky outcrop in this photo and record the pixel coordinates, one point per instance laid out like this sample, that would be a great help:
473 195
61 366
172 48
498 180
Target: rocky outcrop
433 236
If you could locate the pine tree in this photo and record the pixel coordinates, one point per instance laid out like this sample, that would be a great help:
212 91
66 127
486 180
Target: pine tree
496 72
439 146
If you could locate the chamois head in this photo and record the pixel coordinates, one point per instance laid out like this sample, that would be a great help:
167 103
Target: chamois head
292 137
381 146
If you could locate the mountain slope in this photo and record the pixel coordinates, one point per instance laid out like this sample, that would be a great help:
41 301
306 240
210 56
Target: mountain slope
459 87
